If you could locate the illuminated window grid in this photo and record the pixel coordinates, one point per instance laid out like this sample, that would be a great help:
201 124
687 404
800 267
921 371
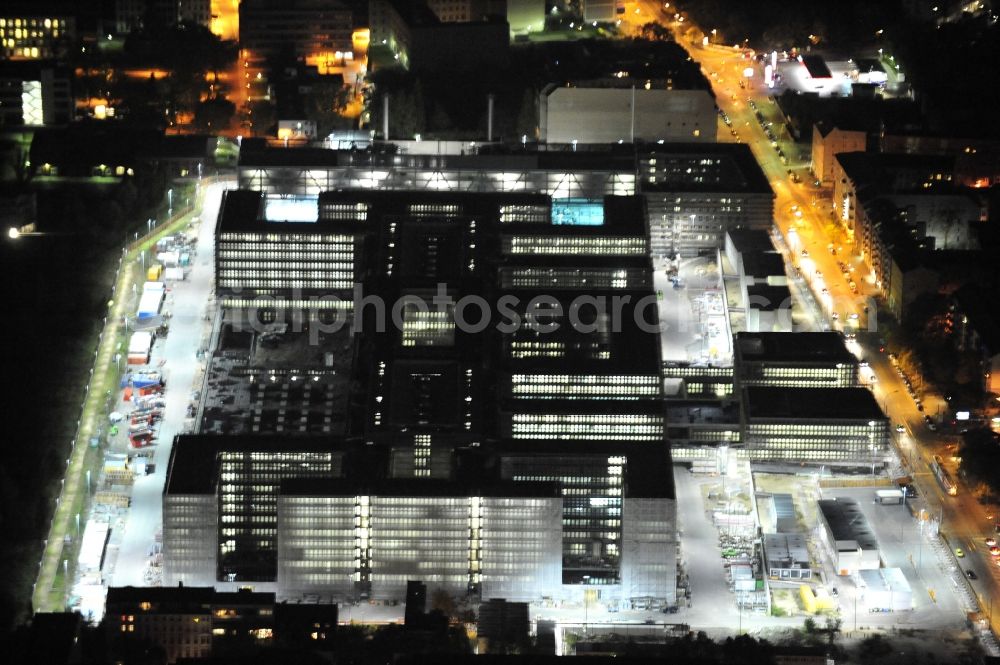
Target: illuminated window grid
573 278
524 214
434 210
610 427
317 545
422 455
592 495
614 387
248 492
575 245
346 212
427 328
521 547
425 538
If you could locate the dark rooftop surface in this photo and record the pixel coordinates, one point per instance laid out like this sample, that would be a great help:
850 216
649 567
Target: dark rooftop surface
763 264
816 67
193 469
649 470
750 240
881 169
847 522
980 305
130 595
241 210
769 298
740 170
793 347
811 404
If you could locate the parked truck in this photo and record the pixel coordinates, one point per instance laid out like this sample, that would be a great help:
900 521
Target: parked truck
889 497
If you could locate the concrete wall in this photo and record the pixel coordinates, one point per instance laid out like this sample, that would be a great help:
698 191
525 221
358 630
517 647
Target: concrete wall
605 115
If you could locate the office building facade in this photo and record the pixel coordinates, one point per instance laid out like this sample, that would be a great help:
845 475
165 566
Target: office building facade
349 540
794 360
841 426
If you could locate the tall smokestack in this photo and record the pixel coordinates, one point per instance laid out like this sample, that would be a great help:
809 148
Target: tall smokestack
489 118
385 117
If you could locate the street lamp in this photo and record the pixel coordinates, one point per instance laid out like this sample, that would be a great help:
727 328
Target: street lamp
15 232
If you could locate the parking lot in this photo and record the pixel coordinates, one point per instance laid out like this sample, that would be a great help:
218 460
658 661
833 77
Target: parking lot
939 590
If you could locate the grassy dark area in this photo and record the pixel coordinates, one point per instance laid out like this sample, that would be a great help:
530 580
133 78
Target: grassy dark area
56 289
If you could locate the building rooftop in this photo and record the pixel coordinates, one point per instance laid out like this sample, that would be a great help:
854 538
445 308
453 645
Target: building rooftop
197 599
786 548
829 404
748 241
825 127
895 172
768 298
979 304
739 171
847 522
193 466
804 347
816 67
885 579
763 264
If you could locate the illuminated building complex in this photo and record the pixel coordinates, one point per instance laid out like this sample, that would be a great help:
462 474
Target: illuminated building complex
488 435
696 193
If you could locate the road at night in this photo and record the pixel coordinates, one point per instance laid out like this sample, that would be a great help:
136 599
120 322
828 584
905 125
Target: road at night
804 218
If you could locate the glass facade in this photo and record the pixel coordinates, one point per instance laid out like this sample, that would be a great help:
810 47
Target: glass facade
190 539
817 441
592 487
318 548
649 548
580 245
574 279
276 264
838 375
577 212
372 545
567 386
428 173
247 508
583 426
